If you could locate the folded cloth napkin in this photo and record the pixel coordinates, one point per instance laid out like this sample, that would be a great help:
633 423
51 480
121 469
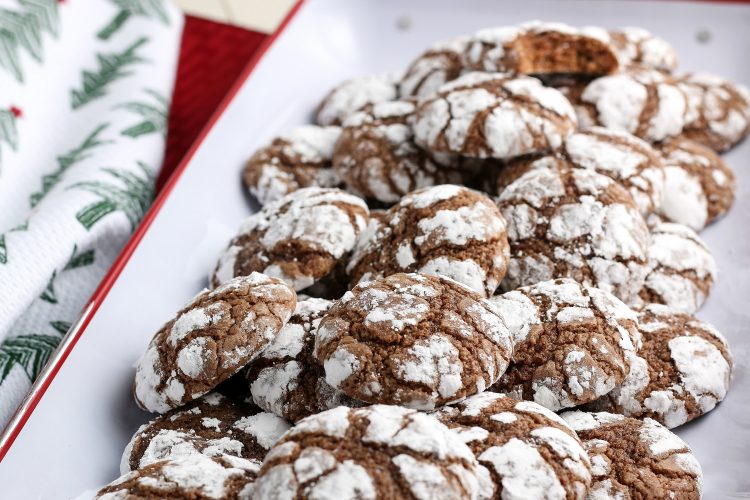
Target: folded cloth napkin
85 87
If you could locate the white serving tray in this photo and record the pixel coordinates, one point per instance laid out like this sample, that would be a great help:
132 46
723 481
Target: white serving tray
71 441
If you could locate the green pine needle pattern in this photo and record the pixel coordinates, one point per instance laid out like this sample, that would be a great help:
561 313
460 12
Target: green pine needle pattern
64 162
111 67
48 295
31 352
145 8
154 116
132 196
8 131
82 259
4 245
23 29
61 326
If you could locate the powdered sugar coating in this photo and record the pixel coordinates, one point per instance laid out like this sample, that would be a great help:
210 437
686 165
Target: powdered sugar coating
576 223
528 451
638 47
682 268
373 452
441 63
294 160
353 95
387 341
518 115
444 230
211 339
299 238
574 345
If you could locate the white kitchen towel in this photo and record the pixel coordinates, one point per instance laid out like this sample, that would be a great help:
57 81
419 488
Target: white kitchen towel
85 87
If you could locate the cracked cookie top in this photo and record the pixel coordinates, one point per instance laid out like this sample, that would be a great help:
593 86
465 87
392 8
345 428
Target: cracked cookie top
299 238
211 339
353 95
444 230
298 159
682 371
374 452
412 339
638 47
493 115
439 64
636 459
573 343
575 223
525 450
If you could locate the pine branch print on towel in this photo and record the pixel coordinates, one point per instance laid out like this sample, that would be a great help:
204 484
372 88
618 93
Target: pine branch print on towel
23 29
154 116
132 196
146 8
30 351
111 67
8 130
64 162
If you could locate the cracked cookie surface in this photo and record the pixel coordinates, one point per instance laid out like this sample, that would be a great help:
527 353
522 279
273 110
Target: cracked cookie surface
353 95
211 339
638 47
573 343
636 459
299 238
412 339
574 223
444 230
374 452
526 450
439 64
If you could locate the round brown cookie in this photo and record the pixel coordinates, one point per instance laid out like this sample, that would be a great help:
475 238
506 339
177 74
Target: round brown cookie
411 339
682 371
286 379
542 48
638 47
682 268
630 161
377 157
526 450
718 110
299 238
212 425
699 186
566 222
644 102
195 476
441 63
211 339
353 95
572 343
367 453
636 459
297 159
444 230
493 115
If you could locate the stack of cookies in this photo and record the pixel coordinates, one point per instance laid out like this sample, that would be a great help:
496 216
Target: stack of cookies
475 281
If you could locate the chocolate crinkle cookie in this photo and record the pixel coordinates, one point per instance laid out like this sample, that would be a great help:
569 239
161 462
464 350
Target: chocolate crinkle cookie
681 372
286 379
573 343
297 159
493 115
375 452
523 449
353 95
630 161
636 459
377 158
299 238
439 64
414 340
638 47
444 230
542 48
566 222
210 340
644 102
194 476
718 112
212 425
699 186
682 269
